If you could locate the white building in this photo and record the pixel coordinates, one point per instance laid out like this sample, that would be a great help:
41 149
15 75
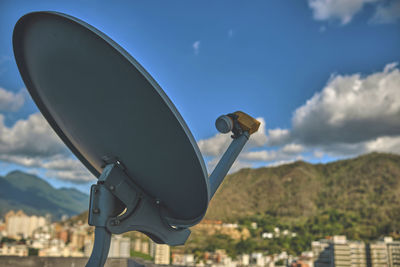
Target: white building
181 259
160 253
14 250
120 247
244 259
21 225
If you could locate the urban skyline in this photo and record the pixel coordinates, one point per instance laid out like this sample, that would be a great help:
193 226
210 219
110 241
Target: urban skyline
75 239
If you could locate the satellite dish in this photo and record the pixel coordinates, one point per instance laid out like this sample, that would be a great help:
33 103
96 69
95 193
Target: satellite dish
122 126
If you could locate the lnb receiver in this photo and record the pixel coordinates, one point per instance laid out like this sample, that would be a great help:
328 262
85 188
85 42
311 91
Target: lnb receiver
237 122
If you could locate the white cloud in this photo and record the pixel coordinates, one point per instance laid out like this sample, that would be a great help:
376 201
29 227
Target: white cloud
343 10
22 160
387 144
31 137
384 144
262 155
287 152
57 167
277 137
237 165
284 162
214 146
62 164
351 109
10 101
76 174
32 143
293 149
388 13
352 115
63 167
196 47
318 154
258 138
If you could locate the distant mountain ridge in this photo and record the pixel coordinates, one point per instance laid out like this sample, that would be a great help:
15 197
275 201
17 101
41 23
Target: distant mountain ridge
357 197
367 186
33 195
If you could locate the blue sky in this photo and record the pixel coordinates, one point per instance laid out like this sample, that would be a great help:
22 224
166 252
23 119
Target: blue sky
321 74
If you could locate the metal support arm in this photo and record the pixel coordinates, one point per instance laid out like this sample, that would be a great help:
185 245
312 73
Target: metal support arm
242 126
225 163
101 247
102 205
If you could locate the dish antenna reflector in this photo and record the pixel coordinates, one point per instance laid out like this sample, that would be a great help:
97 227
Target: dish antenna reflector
122 126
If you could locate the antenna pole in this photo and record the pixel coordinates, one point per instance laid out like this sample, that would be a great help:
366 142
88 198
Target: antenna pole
102 240
103 205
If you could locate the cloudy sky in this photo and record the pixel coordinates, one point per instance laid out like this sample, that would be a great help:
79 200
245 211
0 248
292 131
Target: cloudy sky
321 75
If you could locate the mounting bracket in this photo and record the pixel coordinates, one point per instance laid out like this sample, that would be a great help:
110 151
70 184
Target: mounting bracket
117 205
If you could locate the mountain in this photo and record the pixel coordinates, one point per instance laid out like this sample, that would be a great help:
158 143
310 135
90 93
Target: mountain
367 187
358 197
19 190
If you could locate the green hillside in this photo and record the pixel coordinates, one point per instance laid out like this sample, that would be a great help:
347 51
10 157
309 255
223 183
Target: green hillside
33 195
359 198
368 186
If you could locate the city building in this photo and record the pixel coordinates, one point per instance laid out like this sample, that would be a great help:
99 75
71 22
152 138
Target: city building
20 225
393 253
144 248
141 246
120 247
358 254
321 253
299 264
182 259
304 260
14 250
244 259
160 253
377 254
338 251
137 244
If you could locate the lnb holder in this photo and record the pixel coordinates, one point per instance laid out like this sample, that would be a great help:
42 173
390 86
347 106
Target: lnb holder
242 126
237 122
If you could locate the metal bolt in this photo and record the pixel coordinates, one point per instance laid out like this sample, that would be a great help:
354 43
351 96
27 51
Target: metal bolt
158 202
95 211
112 187
115 222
